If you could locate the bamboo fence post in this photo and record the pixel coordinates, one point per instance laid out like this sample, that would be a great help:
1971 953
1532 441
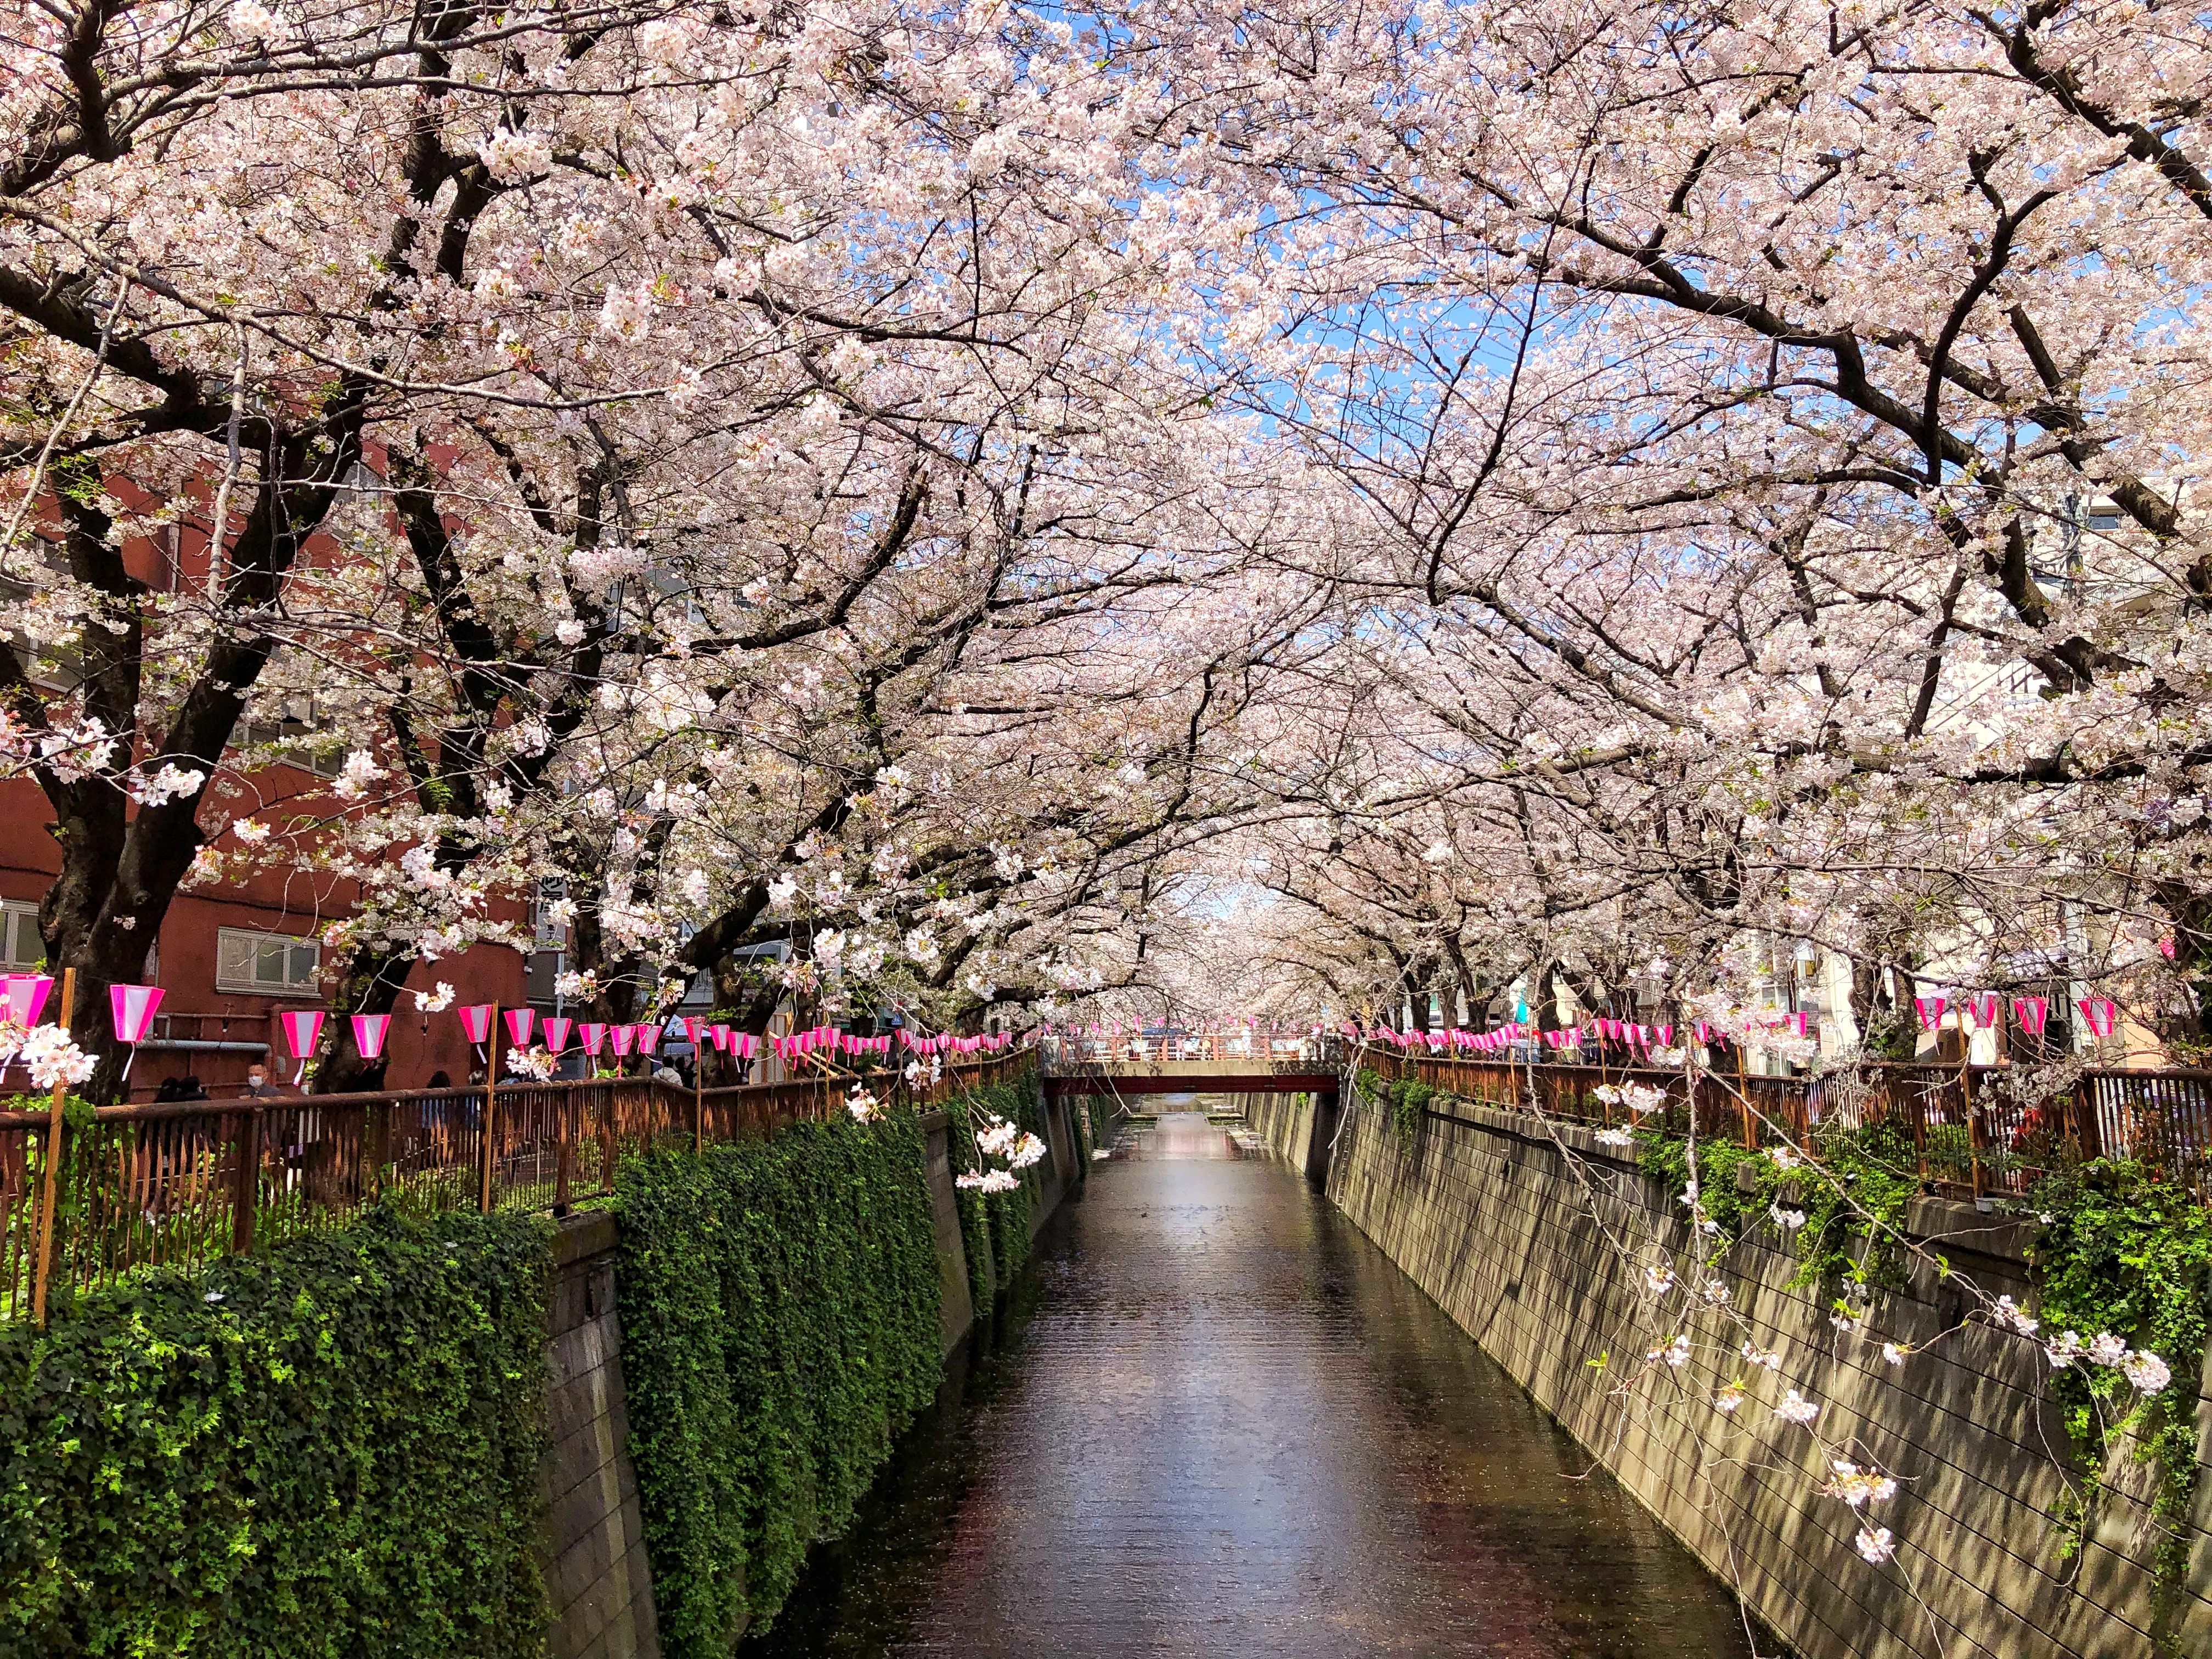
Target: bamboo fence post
1743 1103
563 1144
245 1190
490 1106
51 1194
1967 1102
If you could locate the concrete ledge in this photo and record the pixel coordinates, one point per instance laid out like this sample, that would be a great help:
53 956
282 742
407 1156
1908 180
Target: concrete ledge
576 1237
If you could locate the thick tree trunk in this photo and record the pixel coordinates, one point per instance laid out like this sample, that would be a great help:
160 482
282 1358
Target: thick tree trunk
373 982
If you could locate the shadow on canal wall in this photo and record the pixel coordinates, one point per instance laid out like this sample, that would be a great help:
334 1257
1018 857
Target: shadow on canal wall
1483 1216
592 1546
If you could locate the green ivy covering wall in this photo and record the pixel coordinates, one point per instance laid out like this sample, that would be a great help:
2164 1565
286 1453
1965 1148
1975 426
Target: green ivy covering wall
780 1306
1003 1216
1407 1097
328 1450
2125 1250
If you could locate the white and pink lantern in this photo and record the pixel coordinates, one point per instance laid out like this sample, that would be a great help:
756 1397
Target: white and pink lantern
1930 1010
2032 1013
133 1007
557 1033
25 995
1983 1007
303 1027
721 1034
476 1024
2100 1014
518 1024
369 1031
694 1026
593 1034
624 1038
648 1037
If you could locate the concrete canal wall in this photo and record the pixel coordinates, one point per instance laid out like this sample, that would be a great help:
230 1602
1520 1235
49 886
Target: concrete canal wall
1485 1214
597 1576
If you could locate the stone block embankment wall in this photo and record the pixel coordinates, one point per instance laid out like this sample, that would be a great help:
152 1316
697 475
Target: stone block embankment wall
597 1577
1519 1236
1299 1128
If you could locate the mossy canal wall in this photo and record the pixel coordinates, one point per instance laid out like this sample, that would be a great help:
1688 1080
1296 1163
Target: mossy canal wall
1483 1214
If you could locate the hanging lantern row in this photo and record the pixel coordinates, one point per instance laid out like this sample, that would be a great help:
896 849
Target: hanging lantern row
23 999
2031 1014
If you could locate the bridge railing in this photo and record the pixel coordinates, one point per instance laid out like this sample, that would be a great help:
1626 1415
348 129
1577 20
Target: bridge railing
1968 1131
137 1187
1189 1046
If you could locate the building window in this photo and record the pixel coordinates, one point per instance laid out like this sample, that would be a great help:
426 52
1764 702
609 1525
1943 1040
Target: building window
21 947
266 964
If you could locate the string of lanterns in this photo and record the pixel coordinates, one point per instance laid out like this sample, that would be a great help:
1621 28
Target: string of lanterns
23 997
2030 1014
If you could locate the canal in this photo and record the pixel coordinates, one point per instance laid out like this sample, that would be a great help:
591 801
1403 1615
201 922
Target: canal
1214 1420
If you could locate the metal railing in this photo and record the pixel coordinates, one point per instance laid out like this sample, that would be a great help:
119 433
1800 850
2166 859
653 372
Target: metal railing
1186 1046
1970 1131
182 1184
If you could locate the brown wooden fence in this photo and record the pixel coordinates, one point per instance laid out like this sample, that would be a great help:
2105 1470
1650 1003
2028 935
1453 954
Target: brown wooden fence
1968 1131
143 1186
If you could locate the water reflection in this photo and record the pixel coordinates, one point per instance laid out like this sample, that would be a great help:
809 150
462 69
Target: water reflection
1215 1420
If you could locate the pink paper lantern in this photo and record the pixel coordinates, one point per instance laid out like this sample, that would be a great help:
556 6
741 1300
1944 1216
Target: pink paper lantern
476 1023
368 1034
1983 1008
648 1037
593 1036
2099 1013
693 1025
25 995
624 1038
557 1033
133 1007
302 1026
721 1034
1930 1010
519 1022
2033 1013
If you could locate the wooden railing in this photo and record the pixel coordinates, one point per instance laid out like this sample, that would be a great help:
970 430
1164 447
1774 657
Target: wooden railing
147 1185
1964 1129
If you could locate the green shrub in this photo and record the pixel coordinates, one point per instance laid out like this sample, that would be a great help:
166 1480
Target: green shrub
328 1450
2126 1251
779 1308
1854 1198
1005 1217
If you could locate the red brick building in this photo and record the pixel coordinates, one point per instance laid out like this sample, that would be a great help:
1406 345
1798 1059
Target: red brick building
230 958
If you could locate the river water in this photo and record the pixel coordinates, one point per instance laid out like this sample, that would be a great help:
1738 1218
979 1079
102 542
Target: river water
1214 1420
